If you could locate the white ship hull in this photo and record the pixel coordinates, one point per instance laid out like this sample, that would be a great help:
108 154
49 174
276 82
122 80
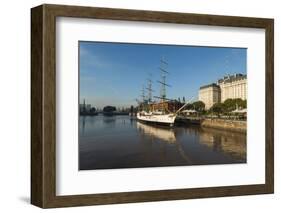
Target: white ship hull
167 119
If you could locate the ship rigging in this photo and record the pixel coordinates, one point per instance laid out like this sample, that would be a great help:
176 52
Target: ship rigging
158 112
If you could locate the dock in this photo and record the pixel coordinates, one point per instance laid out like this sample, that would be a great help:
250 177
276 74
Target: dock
182 120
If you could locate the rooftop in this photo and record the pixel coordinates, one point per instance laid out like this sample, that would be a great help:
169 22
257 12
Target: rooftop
232 78
209 85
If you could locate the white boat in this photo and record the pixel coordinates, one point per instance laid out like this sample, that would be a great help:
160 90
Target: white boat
163 116
164 119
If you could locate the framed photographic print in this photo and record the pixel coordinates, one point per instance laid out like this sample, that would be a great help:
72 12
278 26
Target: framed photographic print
136 106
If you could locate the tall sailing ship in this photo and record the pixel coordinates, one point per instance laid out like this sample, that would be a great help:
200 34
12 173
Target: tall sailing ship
157 112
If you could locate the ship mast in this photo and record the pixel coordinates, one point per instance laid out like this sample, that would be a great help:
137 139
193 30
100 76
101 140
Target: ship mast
143 94
149 89
164 73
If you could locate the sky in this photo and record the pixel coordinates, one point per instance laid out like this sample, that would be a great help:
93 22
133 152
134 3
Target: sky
114 73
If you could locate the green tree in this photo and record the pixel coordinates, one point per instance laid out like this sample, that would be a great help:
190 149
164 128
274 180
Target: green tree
93 109
217 108
229 105
244 104
189 106
198 106
235 103
109 109
238 102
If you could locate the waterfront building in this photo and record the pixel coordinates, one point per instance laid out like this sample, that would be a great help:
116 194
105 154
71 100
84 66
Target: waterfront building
170 106
209 95
228 87
233 86
85 107
88 107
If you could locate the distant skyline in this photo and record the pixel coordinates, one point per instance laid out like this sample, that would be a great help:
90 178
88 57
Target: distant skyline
114 73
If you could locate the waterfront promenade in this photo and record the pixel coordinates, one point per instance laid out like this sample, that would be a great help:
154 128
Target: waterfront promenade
231 125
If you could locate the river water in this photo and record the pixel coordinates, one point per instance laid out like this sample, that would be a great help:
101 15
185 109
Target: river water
121 142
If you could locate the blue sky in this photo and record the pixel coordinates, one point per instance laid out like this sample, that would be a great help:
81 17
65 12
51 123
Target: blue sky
113 73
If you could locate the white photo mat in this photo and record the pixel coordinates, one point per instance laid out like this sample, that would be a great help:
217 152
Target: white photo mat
70 181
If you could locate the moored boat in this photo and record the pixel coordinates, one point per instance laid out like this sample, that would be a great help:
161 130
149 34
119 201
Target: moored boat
159 112
164 119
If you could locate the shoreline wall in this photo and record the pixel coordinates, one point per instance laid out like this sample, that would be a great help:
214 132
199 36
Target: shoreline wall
238 126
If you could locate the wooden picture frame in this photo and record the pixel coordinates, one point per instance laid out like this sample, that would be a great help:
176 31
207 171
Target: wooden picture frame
43 105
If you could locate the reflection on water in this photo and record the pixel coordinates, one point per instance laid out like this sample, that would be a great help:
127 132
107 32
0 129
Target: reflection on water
165 134
122 142
225 141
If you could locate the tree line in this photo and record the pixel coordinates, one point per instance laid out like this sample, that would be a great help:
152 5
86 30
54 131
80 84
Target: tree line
226 107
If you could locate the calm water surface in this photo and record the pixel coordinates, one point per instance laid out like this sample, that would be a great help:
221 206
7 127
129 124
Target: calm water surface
122 142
